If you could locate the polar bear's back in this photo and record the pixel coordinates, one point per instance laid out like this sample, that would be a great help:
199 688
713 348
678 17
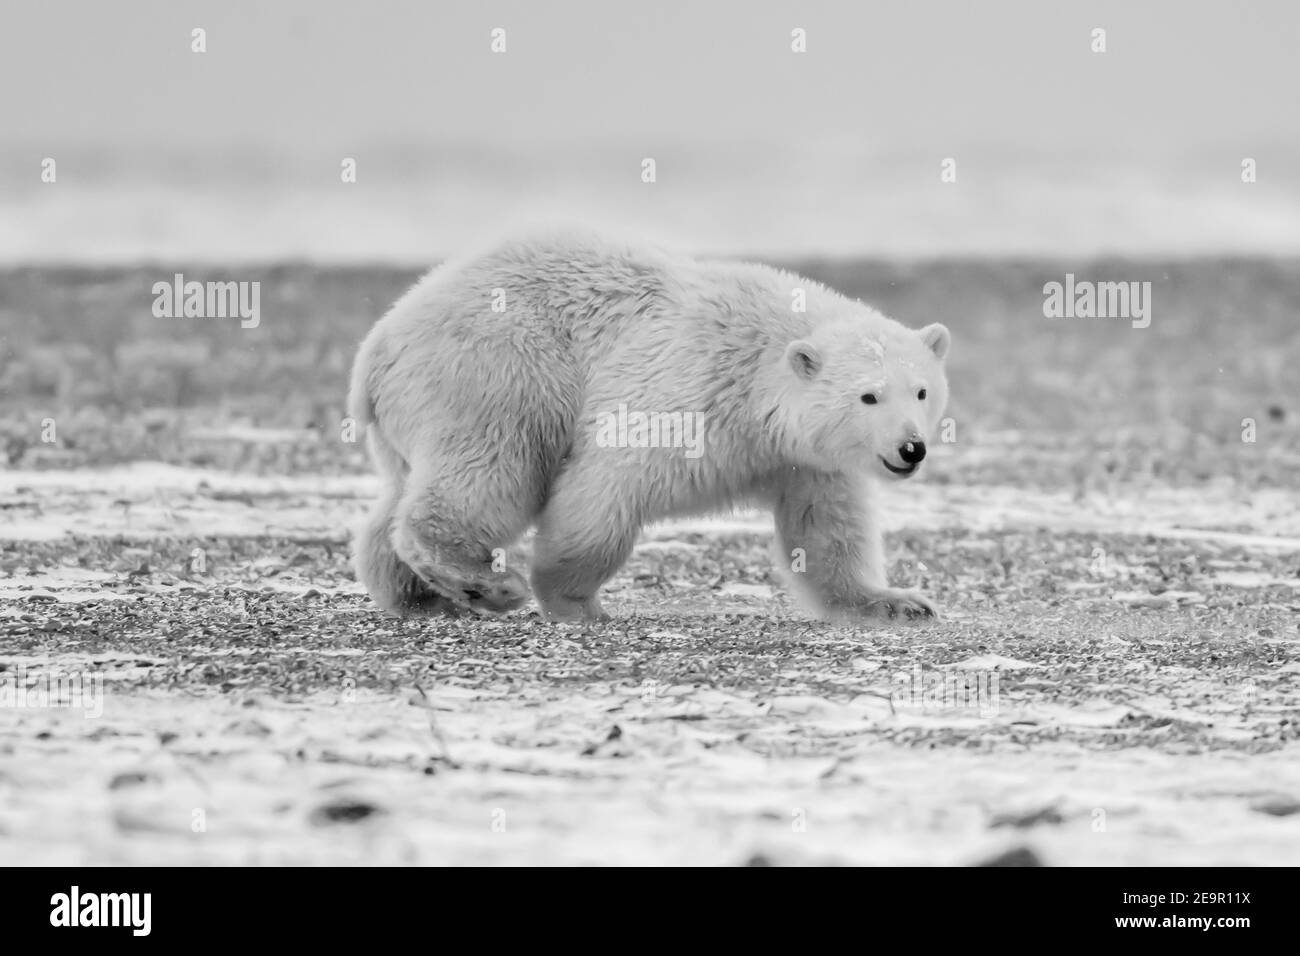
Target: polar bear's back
520 338
502 342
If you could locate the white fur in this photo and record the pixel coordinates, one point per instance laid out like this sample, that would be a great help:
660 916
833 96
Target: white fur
484 422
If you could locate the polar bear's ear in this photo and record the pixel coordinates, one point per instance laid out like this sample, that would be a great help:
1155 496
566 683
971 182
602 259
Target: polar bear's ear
937 338
804 359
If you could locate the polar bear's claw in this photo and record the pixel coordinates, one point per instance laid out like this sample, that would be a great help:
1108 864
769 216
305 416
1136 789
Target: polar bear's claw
894 603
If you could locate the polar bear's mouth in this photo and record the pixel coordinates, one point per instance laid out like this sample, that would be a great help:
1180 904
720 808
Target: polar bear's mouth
905 471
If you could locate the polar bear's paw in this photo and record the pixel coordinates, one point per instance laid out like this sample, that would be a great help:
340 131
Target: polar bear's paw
899 603
489 592
496 593
892 604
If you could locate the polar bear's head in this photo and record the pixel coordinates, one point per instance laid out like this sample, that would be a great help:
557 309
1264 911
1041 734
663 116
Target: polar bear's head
867 395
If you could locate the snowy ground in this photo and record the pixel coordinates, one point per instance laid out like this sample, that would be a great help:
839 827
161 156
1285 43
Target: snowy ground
1114 682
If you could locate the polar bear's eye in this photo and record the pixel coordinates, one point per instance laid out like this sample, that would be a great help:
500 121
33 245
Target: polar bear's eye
869 398
921 394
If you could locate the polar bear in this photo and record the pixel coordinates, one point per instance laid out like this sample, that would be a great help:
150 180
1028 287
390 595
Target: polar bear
490 390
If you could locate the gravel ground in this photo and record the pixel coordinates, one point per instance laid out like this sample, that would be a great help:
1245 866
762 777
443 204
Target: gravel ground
1094 698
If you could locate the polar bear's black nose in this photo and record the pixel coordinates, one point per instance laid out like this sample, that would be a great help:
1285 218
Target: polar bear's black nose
912 452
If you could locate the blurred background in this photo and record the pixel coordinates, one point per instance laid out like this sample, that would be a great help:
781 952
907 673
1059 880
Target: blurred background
234 154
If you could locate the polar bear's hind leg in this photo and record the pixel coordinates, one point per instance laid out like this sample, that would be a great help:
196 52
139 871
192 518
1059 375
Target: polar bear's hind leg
391 583
451 526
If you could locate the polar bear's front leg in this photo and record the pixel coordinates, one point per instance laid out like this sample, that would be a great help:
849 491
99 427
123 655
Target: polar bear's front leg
830 548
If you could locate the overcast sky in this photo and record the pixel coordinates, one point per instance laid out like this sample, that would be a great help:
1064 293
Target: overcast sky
332 74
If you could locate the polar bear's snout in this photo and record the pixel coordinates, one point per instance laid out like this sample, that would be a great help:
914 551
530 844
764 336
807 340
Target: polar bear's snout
911 454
